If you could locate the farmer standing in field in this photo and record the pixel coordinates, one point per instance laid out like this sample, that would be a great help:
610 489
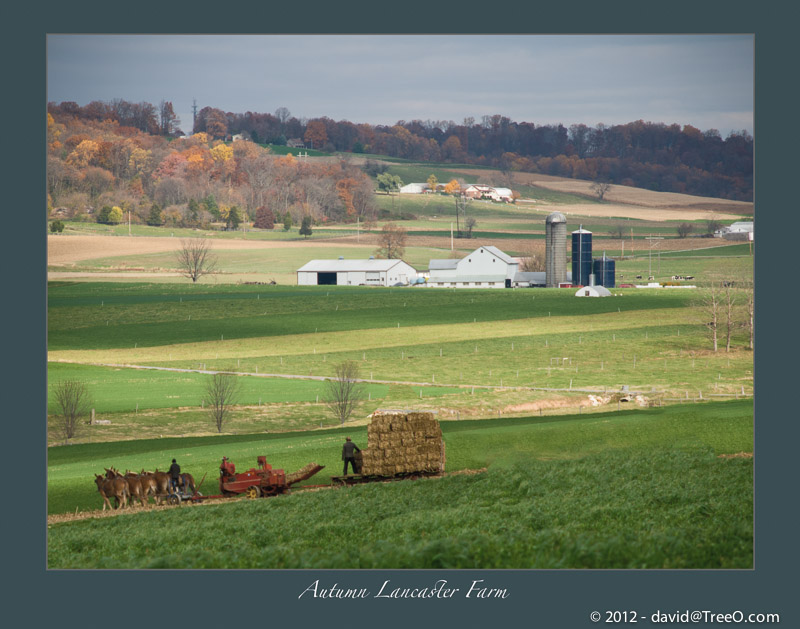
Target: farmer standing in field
348 455
175 473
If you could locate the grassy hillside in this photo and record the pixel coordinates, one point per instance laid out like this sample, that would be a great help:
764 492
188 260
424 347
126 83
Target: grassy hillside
643 489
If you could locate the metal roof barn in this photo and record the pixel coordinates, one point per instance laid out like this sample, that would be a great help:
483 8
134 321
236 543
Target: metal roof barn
341 272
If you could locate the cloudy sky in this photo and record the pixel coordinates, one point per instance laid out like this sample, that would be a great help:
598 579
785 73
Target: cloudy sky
702 80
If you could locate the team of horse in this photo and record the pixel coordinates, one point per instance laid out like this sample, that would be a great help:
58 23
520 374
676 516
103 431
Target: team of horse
130 486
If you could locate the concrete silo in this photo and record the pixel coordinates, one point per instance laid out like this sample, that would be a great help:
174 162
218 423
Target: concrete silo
555 227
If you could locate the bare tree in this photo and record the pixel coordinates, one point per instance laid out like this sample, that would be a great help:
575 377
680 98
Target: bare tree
533 260
221 392
618 232
73 401
750 307
600 188
195 258
710 303
344 391
392 240
684 229
729 300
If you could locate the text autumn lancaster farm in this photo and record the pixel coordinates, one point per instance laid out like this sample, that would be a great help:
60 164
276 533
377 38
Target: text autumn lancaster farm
439 590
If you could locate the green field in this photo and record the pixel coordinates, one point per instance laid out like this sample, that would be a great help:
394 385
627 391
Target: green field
634 490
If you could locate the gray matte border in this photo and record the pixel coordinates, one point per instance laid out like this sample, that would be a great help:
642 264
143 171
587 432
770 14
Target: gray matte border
537 598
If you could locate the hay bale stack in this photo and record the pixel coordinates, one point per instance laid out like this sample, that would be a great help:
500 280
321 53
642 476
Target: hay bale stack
403 442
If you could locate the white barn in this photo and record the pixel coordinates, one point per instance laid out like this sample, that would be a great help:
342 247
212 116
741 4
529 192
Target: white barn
343 272
414 188
486 267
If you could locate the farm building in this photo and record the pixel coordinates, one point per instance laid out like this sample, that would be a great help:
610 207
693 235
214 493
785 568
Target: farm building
593 291
480 191
486 267
343 272
740 230
414 188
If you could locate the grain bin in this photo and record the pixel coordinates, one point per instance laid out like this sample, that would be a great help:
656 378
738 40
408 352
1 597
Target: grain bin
605 271
555 249
581 256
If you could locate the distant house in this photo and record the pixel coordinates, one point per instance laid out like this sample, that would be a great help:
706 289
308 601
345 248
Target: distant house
240 136
343 272
740 230
296 143
481 191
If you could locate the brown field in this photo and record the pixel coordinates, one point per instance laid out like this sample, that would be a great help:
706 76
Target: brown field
65 250
637 203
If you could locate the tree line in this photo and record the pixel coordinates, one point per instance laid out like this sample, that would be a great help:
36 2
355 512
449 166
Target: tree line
104 170
652 155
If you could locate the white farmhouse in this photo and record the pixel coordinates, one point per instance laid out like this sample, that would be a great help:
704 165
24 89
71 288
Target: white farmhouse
343 272
482 191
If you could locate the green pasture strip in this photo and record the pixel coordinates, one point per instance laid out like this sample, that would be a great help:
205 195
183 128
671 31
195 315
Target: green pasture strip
643 490
714 248
419 173
703 268
361 337
124 390
131 315
725 427
671 359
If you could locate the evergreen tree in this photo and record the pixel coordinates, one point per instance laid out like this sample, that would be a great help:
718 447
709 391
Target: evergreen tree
287 222
234 218
103 216
154 219
305 226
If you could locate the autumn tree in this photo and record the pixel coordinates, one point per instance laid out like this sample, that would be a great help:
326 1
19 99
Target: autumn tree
316 134
168 120
392 240
265 218
433 182
115 215
221 392
72 401
195 259
344 391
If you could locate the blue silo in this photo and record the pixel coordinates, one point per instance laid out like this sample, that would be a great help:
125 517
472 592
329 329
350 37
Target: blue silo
581 257
604 271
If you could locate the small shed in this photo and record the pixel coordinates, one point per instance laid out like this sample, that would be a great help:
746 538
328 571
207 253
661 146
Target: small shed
593 291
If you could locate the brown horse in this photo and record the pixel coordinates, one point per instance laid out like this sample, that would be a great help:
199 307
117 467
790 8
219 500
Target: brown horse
112 487
136 487
188 483
162 484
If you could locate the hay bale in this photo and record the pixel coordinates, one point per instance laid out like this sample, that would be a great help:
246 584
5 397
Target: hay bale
400 442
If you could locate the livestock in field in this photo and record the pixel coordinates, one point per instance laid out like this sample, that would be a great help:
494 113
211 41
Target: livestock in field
116 488
135 489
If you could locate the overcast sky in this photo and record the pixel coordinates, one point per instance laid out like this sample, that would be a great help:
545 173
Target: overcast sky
702 80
